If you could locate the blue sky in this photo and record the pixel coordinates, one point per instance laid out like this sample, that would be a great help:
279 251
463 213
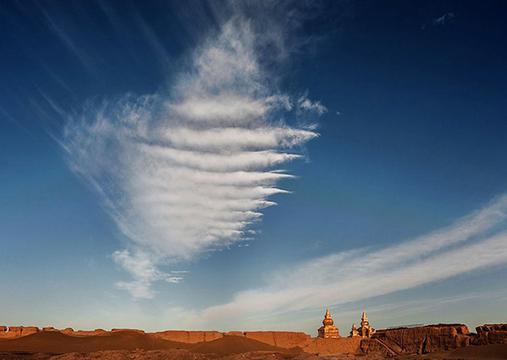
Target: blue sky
131 135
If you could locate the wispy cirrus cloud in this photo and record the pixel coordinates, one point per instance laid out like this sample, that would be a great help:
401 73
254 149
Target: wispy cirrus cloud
74 48
144 272
444 19
476 241
305 104
192 170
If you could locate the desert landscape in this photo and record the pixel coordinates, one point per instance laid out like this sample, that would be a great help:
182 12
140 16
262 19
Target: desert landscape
438 342
199 179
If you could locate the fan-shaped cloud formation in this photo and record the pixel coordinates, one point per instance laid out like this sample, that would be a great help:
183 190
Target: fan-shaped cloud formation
192 170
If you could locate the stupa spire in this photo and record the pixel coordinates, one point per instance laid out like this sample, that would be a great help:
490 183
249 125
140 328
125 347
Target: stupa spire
365 330
328 330
364 318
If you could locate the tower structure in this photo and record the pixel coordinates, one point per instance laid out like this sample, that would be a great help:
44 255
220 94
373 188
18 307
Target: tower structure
364 320
365 330
328 330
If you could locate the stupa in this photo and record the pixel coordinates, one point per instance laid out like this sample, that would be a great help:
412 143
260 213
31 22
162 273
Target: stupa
365 330
328 330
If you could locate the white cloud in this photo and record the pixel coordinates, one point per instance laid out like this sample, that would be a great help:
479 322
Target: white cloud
190 171
141 265
66 39
444 19
228 108
305 104
474 242
234 138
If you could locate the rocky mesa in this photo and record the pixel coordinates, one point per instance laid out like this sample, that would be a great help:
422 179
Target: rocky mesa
384 342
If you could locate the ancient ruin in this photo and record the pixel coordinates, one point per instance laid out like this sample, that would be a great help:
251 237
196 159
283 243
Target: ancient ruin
353 331
365 330
328 330
363 340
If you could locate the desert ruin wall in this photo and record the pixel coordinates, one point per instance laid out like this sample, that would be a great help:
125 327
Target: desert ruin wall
421 339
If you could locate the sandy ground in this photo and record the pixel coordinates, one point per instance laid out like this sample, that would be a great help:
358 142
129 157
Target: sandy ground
133 346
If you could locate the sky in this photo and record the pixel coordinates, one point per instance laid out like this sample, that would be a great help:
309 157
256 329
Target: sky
235 165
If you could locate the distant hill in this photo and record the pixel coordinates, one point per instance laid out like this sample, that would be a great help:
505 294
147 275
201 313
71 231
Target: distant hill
233 345
56 342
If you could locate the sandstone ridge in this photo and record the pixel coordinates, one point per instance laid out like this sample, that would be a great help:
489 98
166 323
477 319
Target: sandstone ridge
388 342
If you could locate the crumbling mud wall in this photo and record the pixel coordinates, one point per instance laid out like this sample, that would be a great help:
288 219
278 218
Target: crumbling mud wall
343 345
189 337
72 332
283 339
490 334
12 332
389 342
418 340
289 340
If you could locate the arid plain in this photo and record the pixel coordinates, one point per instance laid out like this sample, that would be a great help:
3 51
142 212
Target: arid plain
438 342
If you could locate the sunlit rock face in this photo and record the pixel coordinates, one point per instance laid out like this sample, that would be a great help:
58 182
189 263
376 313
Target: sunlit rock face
491 334
328 330
11 332
417 340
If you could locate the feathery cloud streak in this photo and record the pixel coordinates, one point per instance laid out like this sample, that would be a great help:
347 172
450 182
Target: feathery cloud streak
190 171
476 241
